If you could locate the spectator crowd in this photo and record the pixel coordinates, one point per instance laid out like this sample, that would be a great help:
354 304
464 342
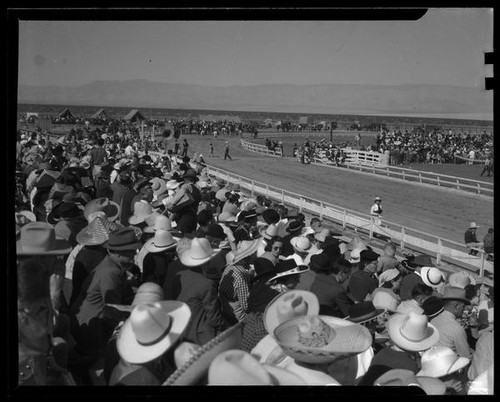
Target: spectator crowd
135 266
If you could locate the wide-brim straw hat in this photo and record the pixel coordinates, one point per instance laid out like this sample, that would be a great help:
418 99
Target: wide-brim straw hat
287 305
159 186
199 252
268 231
194 361
39 238
403 377
440 361
161 222
161 241
245 248
268 351
412 331
461 279
321 339
386 300
151 330
109 207
237 367
96 232
454 293
286 268
141 211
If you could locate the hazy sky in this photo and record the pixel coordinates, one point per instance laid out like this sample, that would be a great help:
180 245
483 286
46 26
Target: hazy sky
444 47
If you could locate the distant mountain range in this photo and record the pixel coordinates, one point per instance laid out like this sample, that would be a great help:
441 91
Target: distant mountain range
406 100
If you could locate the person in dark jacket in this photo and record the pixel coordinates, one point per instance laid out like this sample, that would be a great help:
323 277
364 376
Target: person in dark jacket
470 238
363 282
331 295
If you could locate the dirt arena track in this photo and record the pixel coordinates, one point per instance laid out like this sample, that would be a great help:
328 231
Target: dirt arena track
436 212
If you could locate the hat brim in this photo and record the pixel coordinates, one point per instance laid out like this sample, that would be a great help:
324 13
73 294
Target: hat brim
463 300
366 317
394 326
126 247
193 370
423 275
151 247
187 260
293 243
85 239
350 339
133 352
271 320
136 219
294 271
61 247
458 365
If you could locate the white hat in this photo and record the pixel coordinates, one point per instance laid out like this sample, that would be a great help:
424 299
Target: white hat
412 331
300 244
161 241
474 226
431 276
439 361
387 276
461 279
151 330
160 222
199 252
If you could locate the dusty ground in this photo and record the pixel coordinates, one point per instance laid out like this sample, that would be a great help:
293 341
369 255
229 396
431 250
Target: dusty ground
429 210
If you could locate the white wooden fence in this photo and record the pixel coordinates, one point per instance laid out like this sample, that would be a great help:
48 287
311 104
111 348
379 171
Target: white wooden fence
261 149
442 249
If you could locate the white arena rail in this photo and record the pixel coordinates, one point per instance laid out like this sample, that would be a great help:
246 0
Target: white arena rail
443 249
261 149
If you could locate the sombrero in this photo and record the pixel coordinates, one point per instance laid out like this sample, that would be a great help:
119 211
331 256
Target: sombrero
412 331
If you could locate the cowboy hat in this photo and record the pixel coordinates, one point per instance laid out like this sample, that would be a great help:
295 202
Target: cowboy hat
267 351
387 276
97 231
363 311
268 231
58 190
158 186
461 279
109 207
263 267
454 293
321 339
226 217
412 331
440 361
368 255
148 292
193 361
151 330
141 211
300 244
39 238
172 184
320 262
123 240
473 225
355 256
160 222
402 377
199 252
161 241
286 268
377 199
431 276
245 248
287 305
237 367
385 300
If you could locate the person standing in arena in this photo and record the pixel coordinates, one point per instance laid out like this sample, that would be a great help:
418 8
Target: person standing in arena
376 210
226 151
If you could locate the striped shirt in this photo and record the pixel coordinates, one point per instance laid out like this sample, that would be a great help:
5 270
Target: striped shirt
451 334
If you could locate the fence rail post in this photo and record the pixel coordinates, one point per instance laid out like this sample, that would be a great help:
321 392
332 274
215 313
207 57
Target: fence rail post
440 251
403 234
344 220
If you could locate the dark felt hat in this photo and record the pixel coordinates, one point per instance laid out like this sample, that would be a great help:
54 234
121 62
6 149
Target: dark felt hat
294 226
432 306
123 240
271 216
320 262
264 268
215 230
369 255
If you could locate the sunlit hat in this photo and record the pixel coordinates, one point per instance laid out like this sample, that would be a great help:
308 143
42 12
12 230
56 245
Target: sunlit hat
148 292
237 367
158 185
141 211
288 305
161 241
439 361
287 268
151 330
431 276
388 275
109 207
39 238
199 252
226 217
160 222
244 249
300 244
461 279
97 231
402 377
385 300
412 331
321 339
473 225
268 231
